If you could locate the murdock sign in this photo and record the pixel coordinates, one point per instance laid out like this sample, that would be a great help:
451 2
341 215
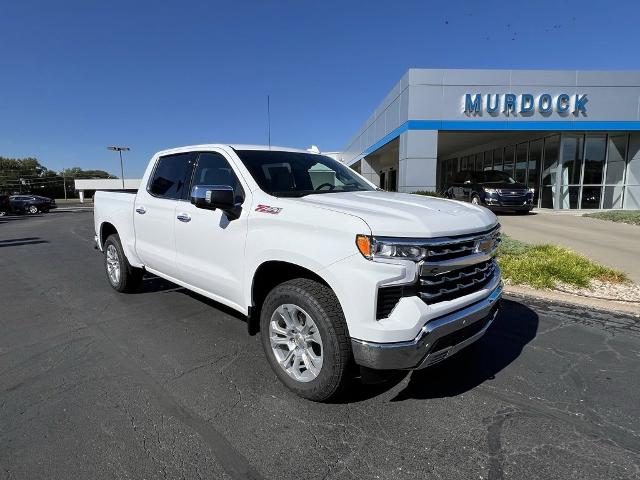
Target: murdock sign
524 104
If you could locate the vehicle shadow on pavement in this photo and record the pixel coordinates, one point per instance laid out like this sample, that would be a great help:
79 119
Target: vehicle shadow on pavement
151 283
515 326
13 218
16 242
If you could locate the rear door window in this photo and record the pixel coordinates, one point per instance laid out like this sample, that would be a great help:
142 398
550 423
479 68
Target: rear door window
171 176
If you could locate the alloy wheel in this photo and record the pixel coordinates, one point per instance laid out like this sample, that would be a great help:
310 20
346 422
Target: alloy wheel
113 264
296 343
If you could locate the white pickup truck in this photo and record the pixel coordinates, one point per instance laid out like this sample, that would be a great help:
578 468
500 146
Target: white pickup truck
332 271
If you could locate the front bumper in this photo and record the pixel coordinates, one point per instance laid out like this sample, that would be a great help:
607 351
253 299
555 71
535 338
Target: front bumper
438 339
500 202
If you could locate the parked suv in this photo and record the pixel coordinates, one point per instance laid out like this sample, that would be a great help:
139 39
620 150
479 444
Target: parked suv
493 189
31 203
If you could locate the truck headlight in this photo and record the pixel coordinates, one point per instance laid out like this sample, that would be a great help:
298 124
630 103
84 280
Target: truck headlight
372 248
489 190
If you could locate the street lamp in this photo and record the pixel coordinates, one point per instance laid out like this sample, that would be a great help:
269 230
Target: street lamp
120 150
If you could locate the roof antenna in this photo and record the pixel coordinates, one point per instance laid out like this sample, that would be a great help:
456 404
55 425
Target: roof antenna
269 121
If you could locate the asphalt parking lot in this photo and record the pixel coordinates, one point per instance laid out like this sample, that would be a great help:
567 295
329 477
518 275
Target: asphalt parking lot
166 384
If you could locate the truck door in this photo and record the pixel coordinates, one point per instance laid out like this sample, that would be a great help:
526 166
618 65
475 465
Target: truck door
154 211
209 246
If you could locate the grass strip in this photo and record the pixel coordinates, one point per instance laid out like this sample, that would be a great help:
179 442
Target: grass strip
631 217
544 266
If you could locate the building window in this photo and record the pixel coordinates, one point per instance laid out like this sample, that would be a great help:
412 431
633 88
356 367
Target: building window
497 158
571 159
509 153
595 147
488 160
533 169
614 177
521 163
549 171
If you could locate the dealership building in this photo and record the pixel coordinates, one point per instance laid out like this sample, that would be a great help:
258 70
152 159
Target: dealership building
573 136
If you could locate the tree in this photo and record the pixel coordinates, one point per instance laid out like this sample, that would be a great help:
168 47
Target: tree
77 172
18 175
27 175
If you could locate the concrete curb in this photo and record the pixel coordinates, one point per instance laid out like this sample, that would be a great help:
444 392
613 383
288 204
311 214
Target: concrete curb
71 209
568 298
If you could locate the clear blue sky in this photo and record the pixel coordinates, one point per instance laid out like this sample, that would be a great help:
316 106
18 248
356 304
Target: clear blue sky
77 76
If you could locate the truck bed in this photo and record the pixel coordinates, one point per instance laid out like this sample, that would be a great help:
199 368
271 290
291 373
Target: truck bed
115 208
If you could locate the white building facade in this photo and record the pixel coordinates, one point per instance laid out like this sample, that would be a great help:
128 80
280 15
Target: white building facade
574 136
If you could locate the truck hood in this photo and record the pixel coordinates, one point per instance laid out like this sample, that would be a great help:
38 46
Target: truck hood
406 215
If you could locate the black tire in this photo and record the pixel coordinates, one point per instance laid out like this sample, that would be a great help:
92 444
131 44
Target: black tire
319 301
129 278
475 197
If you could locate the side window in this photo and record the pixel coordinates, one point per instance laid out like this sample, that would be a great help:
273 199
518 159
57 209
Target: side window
171 176
213 169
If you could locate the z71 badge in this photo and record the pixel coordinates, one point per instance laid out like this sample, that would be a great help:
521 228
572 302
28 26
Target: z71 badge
268 209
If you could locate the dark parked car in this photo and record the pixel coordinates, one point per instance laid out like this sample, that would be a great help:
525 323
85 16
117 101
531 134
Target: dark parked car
493 189
31 203
5 205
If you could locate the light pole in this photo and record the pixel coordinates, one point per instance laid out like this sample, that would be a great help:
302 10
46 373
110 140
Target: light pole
120 150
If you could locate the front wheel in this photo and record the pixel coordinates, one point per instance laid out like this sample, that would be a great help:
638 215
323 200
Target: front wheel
33 209
475 199
121 275
304 336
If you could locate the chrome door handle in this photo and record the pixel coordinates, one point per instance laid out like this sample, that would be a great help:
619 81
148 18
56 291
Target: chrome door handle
141 210
183 217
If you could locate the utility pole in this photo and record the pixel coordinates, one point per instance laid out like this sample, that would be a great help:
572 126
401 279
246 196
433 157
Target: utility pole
64 185
120 150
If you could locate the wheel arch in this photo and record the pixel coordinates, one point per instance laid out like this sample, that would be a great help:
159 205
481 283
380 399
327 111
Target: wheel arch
269 274
106 229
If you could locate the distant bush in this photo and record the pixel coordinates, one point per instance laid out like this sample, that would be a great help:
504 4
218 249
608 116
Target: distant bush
429 193
631 217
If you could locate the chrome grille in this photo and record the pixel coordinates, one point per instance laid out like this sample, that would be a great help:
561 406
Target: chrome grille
445 286
516 192
461 246
458 266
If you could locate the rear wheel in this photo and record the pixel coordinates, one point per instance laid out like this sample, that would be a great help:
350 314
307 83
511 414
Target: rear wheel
121 275
475 199
304 336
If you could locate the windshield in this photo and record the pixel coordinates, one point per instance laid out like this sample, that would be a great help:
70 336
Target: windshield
296 174
495 176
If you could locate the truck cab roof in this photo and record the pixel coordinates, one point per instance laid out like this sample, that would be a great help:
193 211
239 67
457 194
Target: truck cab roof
234 146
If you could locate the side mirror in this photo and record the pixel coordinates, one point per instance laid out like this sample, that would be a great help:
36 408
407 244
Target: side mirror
211 197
